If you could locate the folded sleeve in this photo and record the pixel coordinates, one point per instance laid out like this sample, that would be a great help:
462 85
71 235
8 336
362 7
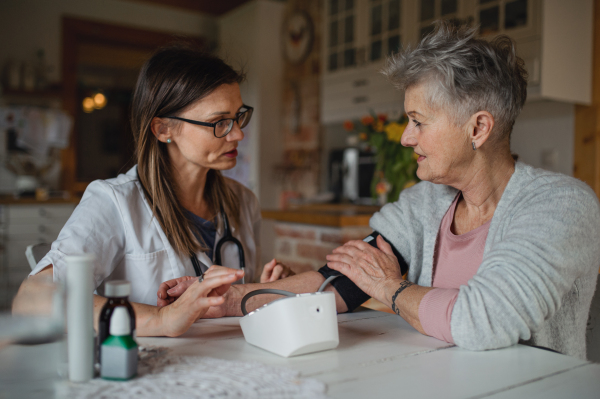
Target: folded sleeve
435 313
549 241
96 227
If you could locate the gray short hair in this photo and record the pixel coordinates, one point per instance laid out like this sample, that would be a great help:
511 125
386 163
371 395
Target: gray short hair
465 74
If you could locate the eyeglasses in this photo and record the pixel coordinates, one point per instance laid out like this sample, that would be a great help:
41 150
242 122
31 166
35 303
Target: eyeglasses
224 126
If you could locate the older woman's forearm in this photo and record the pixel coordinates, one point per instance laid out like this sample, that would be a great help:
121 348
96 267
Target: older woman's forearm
406 302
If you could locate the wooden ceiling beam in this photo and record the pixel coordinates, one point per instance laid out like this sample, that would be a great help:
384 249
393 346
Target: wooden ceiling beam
213 7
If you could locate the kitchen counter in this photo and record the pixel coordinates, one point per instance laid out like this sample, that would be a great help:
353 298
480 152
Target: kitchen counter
332 215
11 200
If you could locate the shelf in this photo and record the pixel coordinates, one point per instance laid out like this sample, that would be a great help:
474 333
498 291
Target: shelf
52 92
50 96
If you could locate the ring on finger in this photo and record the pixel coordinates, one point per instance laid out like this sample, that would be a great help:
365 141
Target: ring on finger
201 278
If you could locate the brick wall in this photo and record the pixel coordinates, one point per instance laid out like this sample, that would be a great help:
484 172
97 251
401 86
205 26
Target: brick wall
304 247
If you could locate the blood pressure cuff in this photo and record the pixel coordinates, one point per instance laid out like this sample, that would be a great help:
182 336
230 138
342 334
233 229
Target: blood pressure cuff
350 293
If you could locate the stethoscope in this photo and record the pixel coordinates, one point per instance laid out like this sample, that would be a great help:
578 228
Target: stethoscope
227 237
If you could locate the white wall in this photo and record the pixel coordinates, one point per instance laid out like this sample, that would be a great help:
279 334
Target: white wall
249 39
546 129
237 34
29 25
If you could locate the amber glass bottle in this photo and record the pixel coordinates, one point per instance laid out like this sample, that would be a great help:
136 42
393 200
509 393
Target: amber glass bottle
117 292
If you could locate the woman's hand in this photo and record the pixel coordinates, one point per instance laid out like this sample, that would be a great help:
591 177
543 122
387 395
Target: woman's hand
274 271
371 269
170 290
178 285
176 318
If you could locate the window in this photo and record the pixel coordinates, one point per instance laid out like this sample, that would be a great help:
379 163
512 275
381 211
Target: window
385 23
497 16
432 10
342 34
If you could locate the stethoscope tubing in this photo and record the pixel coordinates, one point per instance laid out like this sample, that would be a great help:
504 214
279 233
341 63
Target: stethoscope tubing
227 237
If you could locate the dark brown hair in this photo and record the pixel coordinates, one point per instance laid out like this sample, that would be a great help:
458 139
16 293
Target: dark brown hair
172 79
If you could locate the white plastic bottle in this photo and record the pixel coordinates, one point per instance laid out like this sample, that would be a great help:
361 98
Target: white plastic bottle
80 317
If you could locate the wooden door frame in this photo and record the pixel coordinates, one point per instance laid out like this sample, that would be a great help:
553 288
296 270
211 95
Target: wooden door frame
586 151
76 31
587 122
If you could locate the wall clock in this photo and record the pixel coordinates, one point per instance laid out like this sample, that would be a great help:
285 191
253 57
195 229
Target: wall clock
298 37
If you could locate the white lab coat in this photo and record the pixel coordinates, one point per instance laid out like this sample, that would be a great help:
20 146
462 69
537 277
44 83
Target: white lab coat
114 221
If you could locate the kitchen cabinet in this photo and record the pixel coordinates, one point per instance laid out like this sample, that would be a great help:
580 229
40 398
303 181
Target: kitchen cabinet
517 18
553 37
429 11
360 32
358 36
22 225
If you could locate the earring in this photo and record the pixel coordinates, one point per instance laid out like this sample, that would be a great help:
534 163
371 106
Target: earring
474 148
169 142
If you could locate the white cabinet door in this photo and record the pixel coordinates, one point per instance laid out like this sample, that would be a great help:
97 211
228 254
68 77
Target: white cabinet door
384 29
340 40
429 11
33 213
362 32
23 225
554 38
519 19
353 94
359 35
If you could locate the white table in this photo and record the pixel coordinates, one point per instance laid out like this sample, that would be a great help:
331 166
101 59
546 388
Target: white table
379 356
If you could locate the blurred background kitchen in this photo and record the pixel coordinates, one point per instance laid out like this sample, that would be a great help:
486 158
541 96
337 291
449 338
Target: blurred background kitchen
69 68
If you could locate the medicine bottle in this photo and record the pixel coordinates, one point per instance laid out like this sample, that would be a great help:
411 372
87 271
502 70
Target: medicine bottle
117 293
119 350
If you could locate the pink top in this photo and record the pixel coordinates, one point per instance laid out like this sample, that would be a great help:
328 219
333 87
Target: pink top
456 260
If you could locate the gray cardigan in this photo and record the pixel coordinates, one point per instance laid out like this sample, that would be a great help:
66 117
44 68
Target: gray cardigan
540 262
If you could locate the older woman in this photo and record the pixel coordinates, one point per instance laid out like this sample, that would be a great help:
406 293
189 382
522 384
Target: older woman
497 252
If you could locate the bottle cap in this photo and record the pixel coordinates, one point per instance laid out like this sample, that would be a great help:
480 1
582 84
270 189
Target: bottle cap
119 322
117 288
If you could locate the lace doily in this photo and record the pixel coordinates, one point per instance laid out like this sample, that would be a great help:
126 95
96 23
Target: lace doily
162 376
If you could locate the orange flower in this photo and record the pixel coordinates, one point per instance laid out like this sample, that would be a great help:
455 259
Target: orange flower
363 136
378 126
367 120
382 117
349 126
381 188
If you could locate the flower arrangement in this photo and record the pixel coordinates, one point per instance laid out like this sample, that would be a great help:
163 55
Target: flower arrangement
396 167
